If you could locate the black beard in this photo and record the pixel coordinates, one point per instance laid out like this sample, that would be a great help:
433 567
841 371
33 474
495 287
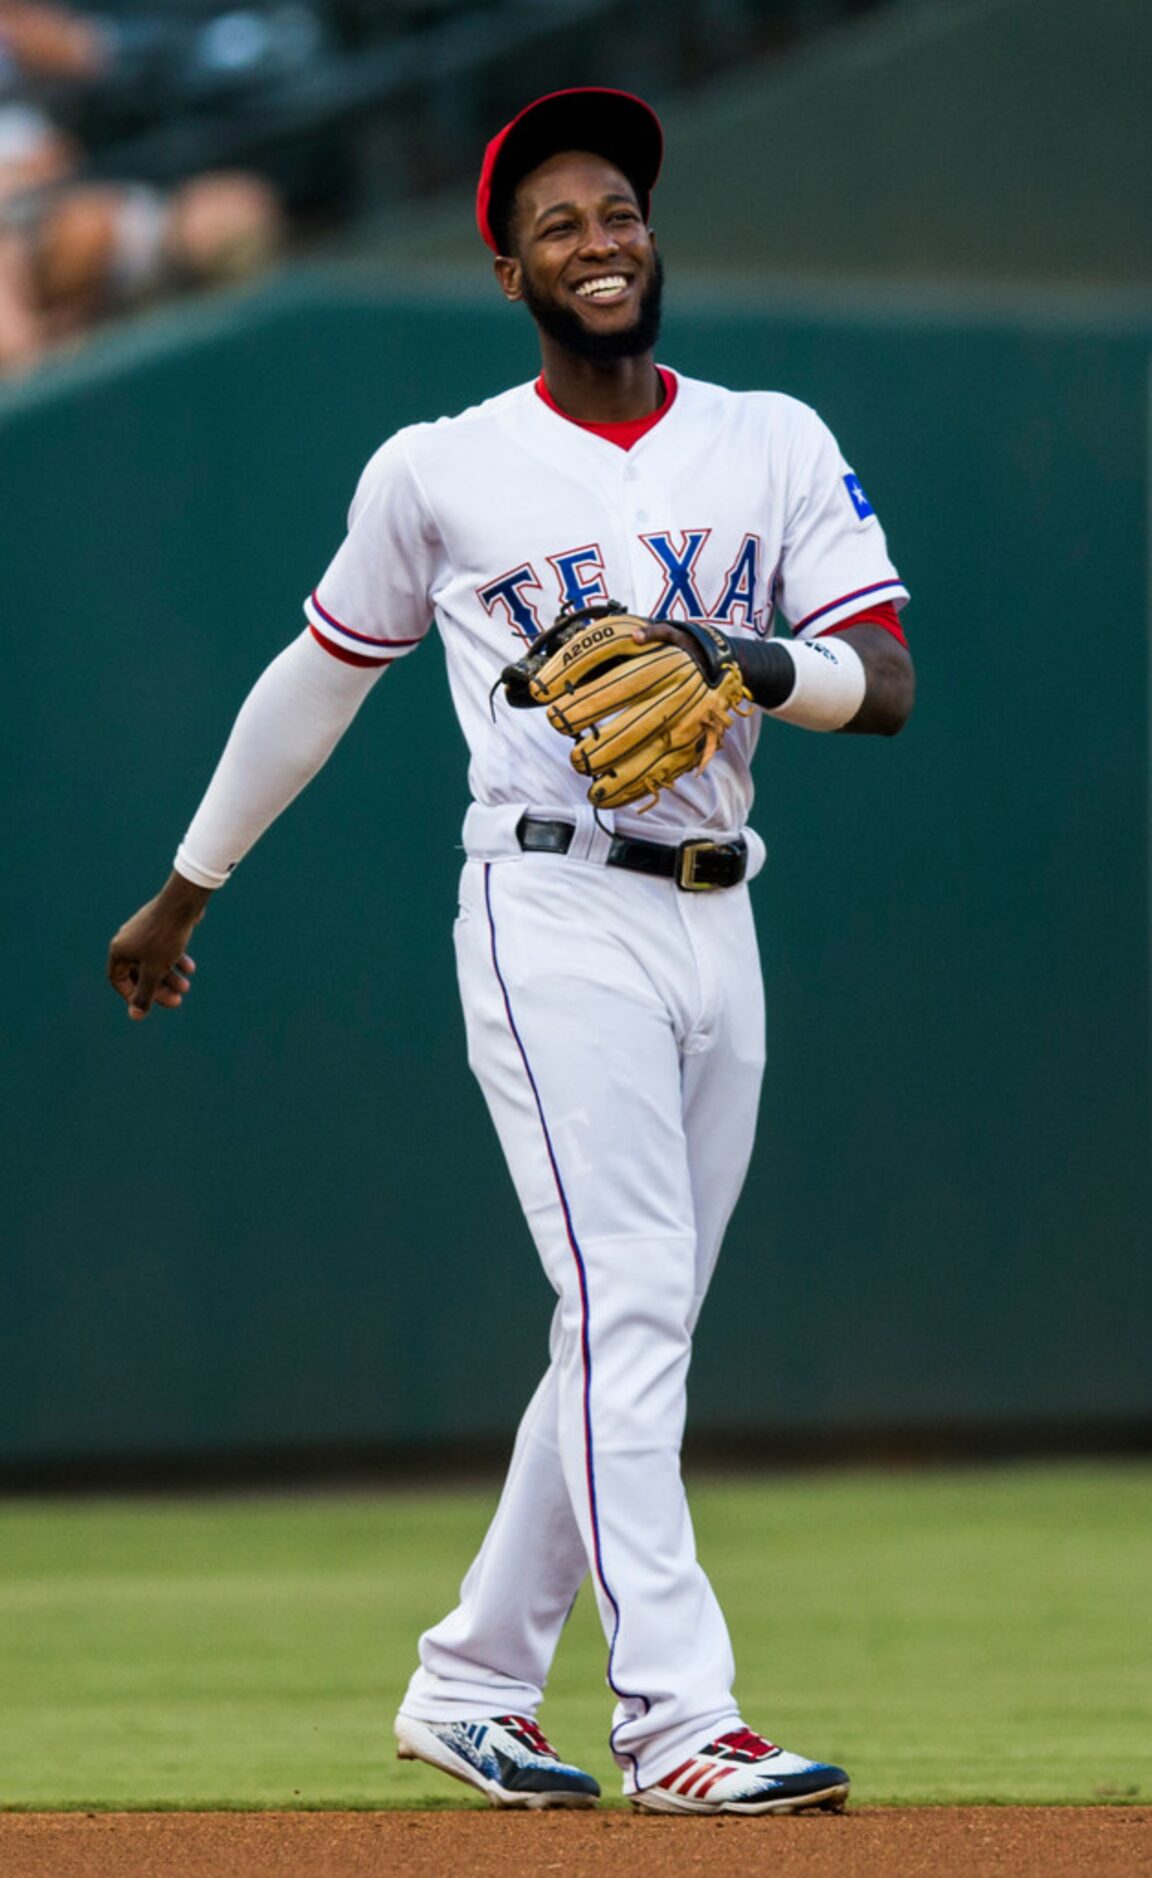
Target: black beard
568 329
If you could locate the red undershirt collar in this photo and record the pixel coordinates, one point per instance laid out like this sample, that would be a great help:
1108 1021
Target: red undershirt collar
628 431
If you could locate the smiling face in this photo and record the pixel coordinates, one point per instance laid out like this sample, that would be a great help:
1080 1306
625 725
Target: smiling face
583 260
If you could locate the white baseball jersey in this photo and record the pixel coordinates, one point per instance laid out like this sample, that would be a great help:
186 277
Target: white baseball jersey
733 507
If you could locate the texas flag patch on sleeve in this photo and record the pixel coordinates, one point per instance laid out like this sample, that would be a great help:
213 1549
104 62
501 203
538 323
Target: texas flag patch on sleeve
857 497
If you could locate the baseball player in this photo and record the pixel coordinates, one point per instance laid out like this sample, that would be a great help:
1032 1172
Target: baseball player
607 959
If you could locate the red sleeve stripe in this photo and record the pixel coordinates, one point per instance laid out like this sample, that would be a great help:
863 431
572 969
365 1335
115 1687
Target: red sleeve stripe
364 639
860 593
346 658
884 615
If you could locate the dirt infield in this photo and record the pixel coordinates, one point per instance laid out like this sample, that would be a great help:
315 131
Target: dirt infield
888 1842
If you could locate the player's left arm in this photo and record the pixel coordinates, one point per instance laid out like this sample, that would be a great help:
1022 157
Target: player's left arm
889 678
858 679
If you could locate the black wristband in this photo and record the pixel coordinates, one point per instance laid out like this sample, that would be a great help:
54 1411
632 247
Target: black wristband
767 669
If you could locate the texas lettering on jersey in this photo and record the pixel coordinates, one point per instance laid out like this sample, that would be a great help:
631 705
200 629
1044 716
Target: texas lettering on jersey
529 600
732 510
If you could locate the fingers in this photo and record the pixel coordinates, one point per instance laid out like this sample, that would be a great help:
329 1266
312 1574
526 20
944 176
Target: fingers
179 976
148 983
142 985
170 991
656 632
122 978
133 980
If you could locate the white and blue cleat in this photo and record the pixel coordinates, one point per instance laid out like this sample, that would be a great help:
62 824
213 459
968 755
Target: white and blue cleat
505 1756
744 1773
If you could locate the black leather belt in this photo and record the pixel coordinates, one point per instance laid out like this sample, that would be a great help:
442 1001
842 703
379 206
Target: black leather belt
695 866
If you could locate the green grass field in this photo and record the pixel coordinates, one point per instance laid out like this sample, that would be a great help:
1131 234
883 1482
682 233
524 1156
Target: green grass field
978 1635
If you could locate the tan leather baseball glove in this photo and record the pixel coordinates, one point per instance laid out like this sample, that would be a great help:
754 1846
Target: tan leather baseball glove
640 715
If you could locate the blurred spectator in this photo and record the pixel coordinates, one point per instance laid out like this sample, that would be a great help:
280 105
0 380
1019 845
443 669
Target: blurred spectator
71 251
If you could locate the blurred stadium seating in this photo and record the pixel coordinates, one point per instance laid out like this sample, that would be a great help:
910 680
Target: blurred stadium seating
348 101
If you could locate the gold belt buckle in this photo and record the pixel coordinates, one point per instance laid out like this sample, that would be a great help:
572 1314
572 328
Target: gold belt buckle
688 854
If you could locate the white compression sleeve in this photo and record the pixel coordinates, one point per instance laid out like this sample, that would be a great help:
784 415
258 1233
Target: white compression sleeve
829 686
288 727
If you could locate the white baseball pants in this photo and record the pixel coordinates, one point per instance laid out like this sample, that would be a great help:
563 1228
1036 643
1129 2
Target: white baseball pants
616 1026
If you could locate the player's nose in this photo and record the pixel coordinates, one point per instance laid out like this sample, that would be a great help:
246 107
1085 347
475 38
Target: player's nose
598 238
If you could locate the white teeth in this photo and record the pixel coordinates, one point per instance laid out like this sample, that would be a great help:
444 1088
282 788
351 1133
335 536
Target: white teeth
596 289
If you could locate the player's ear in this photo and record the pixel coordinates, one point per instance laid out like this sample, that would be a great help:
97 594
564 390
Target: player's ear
510 275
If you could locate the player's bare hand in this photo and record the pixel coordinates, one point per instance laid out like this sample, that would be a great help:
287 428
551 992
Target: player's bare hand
662 632
148 960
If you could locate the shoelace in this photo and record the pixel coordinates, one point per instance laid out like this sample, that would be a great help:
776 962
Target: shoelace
529 1732
744 1742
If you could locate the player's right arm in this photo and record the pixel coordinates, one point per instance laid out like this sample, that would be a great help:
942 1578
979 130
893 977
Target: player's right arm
287 728
372 607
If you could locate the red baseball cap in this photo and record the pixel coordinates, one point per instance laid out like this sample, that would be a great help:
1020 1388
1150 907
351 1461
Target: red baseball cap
612 124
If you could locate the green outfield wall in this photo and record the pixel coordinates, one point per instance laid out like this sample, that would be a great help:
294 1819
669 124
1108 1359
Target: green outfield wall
961 140
280 1217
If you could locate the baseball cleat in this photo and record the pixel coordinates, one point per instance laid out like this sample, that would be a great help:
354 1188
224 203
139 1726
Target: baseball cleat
743 1773
506 1756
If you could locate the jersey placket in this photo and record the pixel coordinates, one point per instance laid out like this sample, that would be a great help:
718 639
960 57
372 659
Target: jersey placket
636 513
